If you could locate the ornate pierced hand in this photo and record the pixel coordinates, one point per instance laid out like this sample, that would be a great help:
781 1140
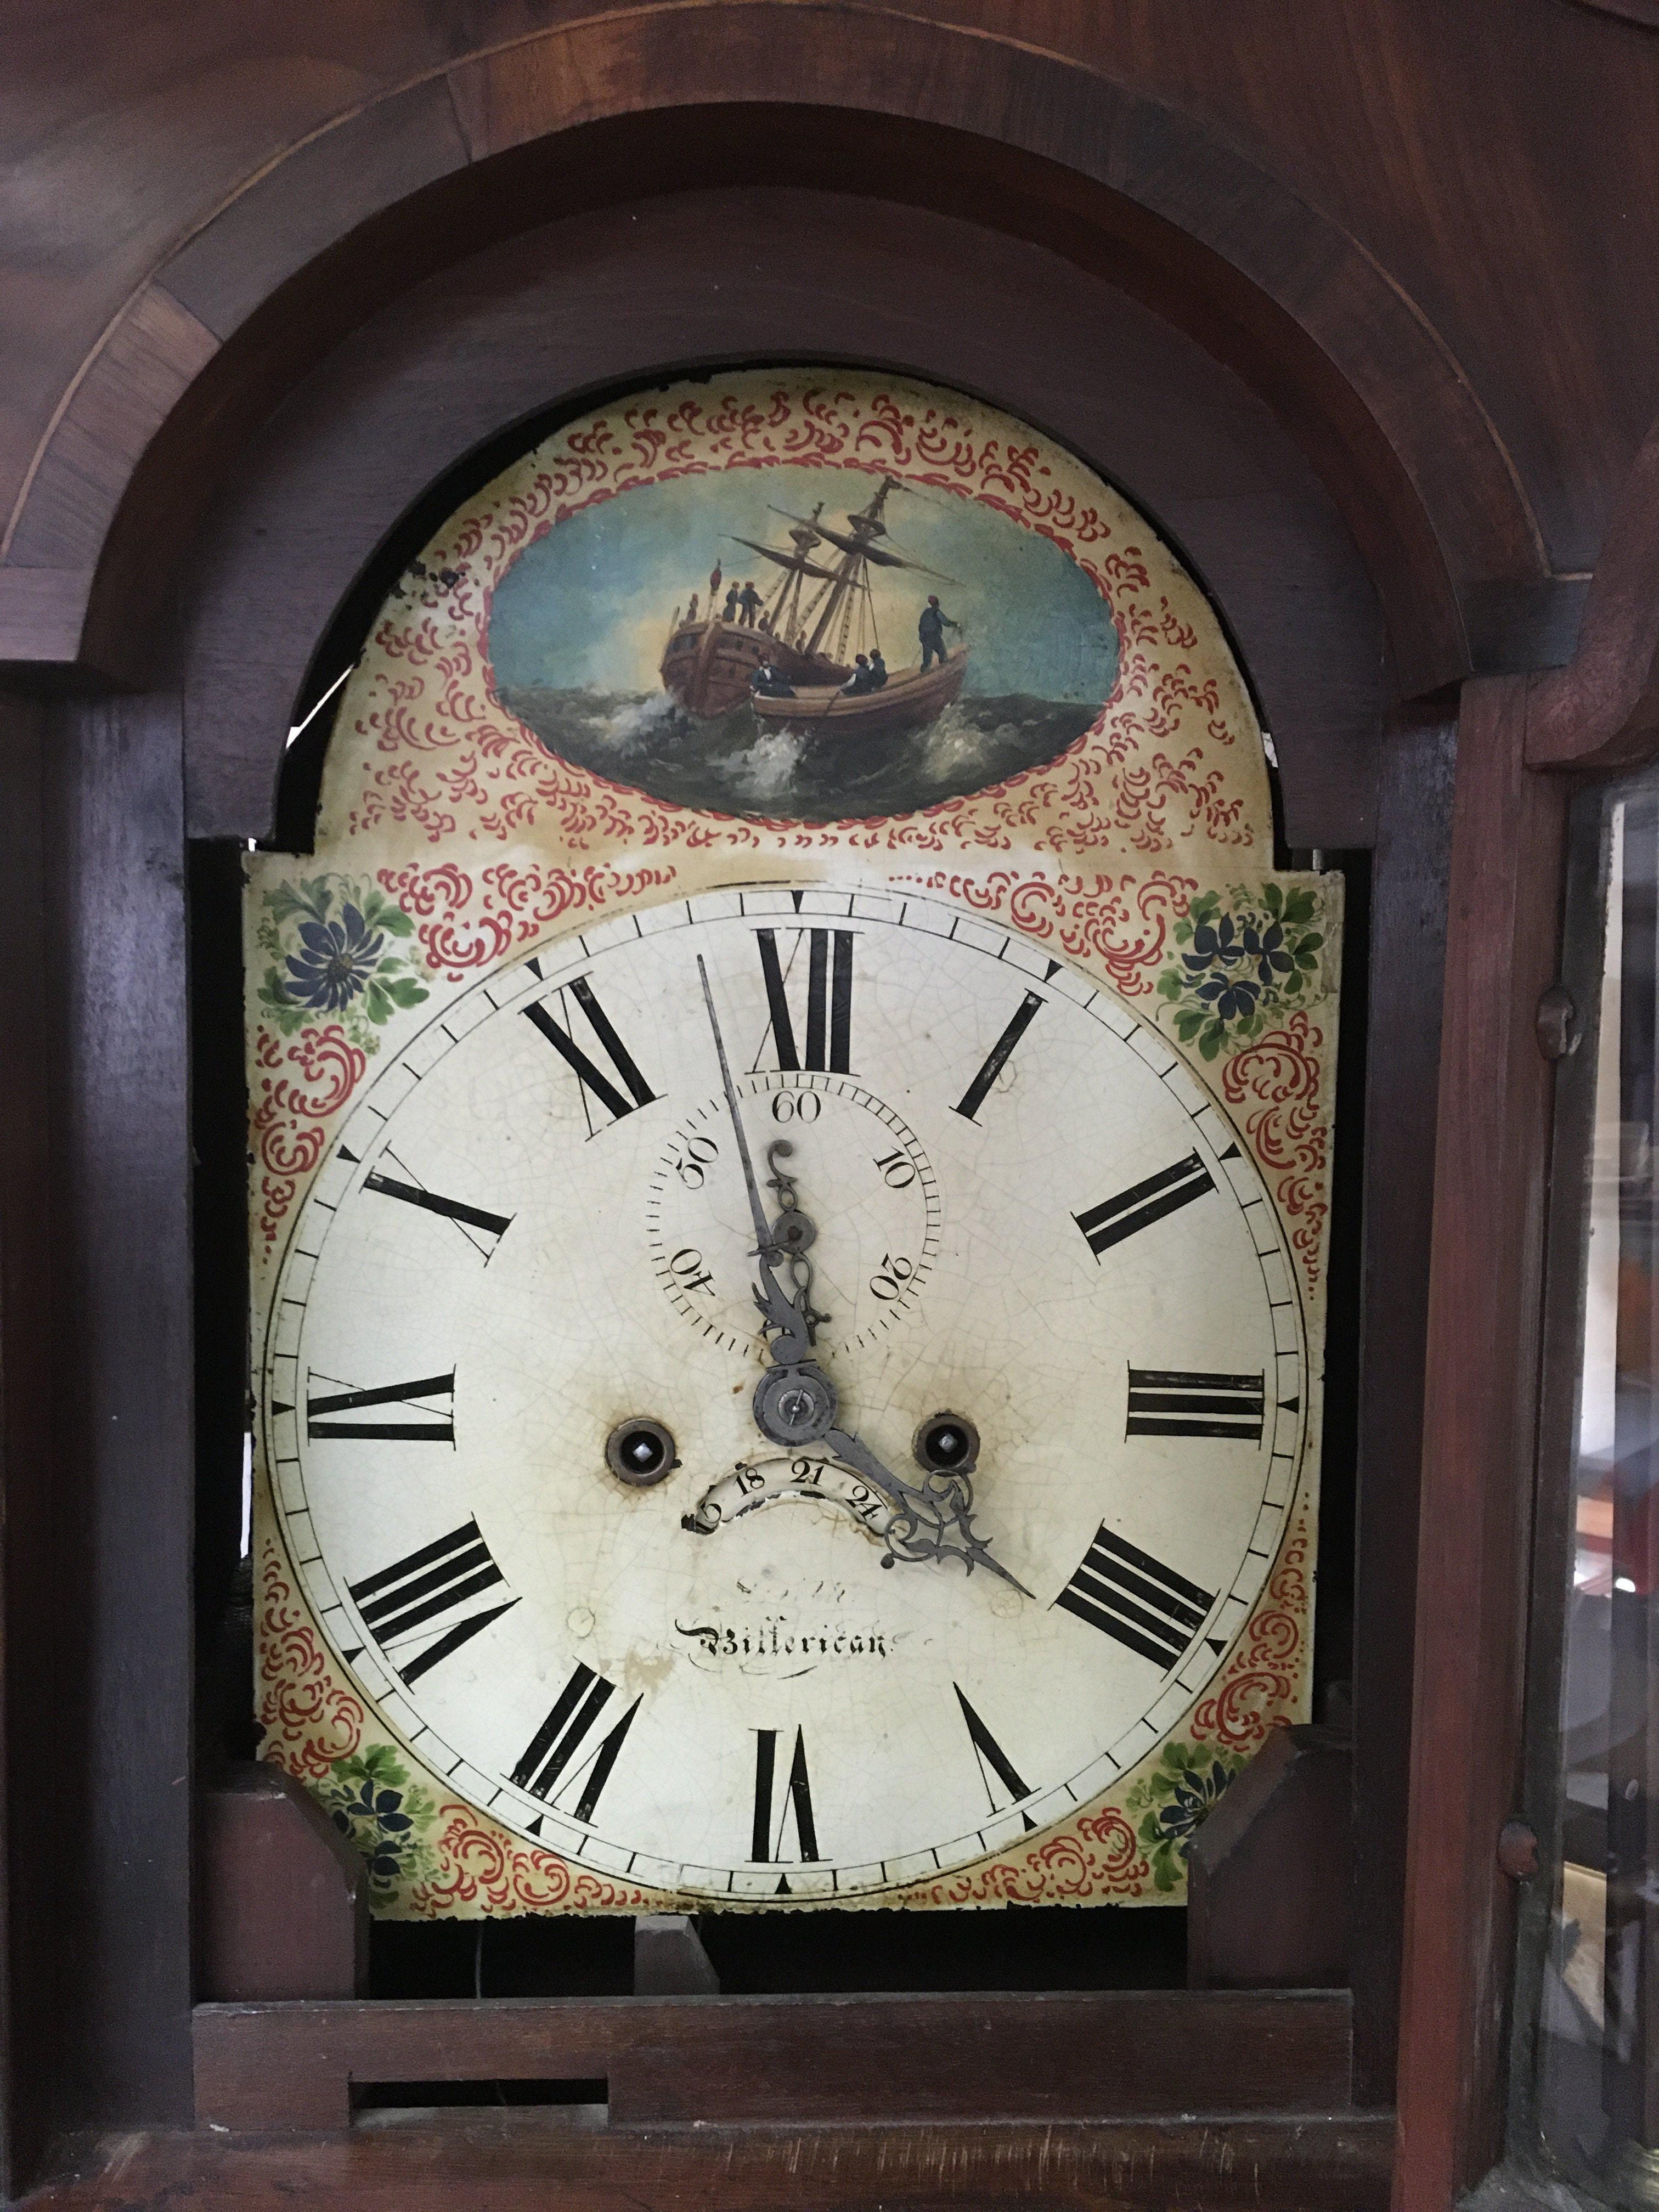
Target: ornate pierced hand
932 1520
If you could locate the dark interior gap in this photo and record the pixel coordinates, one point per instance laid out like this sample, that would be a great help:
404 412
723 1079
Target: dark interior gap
592 2097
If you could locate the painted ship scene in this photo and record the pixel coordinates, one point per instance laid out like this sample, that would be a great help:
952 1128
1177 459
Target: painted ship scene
813 644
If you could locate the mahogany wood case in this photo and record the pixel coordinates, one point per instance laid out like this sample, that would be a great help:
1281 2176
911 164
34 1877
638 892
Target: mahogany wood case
1360 305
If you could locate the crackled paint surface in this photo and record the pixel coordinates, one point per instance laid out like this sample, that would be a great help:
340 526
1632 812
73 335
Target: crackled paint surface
522 1685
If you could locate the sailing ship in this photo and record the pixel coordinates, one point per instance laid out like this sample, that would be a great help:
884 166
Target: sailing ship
819 609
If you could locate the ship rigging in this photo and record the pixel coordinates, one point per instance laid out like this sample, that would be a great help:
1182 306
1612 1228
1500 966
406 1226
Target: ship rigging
818 609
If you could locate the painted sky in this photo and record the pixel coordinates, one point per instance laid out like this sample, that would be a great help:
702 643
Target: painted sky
590 603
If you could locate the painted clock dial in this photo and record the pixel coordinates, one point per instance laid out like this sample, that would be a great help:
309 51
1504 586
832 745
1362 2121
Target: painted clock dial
818 769
533 1230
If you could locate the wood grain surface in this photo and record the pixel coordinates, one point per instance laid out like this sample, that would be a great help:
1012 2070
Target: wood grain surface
1411 865
1601 710
1058 2055
1479 1420
1057 138
547 2160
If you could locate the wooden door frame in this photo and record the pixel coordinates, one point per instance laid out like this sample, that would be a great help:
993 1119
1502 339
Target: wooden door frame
1522 740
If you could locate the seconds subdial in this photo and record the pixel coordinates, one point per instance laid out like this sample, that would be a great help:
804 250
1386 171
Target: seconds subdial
871 1191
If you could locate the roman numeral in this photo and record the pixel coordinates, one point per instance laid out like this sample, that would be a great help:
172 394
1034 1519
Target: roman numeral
466 1219
828 1001
997 1059
587 1073
1144 1203
1137 1600
991 1755
1169 1401
435 1424
766 1842
561 1736
406 1599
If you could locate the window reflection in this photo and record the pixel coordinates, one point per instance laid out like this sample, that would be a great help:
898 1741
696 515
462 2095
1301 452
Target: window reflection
1598 2089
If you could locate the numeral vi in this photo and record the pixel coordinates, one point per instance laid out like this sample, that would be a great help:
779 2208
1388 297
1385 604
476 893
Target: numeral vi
766 1842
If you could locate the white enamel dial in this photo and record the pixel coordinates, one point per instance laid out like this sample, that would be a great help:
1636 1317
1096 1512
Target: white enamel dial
533 1228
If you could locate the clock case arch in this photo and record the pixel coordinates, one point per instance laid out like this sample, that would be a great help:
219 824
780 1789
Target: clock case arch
1304 537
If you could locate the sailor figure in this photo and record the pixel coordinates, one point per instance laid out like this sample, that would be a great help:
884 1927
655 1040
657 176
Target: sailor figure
878 670
931 630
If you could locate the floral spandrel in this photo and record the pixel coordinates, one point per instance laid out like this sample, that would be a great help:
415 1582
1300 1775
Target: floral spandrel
1248 959
369 1801
1173 1801
336 955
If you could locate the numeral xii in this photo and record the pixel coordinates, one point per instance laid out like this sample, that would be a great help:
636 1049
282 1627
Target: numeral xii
828 1044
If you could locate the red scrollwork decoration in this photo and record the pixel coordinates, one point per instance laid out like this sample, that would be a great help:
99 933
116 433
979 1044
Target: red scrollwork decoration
466 924
309 1719
1277 1080
486 1870
285 1108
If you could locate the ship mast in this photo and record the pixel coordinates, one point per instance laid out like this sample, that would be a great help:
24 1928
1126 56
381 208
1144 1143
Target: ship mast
859 549
784 610
866 526
785 614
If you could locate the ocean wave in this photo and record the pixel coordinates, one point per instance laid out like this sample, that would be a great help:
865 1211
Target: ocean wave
731 765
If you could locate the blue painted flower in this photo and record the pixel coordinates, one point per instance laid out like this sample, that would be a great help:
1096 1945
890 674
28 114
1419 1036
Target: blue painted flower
1230 997
337 961
1214 940
1196 1790
1267 948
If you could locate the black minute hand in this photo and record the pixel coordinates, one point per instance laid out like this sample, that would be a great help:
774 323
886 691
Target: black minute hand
762 1233
791 1338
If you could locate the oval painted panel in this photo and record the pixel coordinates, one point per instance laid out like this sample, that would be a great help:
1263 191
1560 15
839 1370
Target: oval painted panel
806 644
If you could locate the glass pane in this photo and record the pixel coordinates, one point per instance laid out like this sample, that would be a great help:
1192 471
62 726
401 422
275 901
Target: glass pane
1598 2083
